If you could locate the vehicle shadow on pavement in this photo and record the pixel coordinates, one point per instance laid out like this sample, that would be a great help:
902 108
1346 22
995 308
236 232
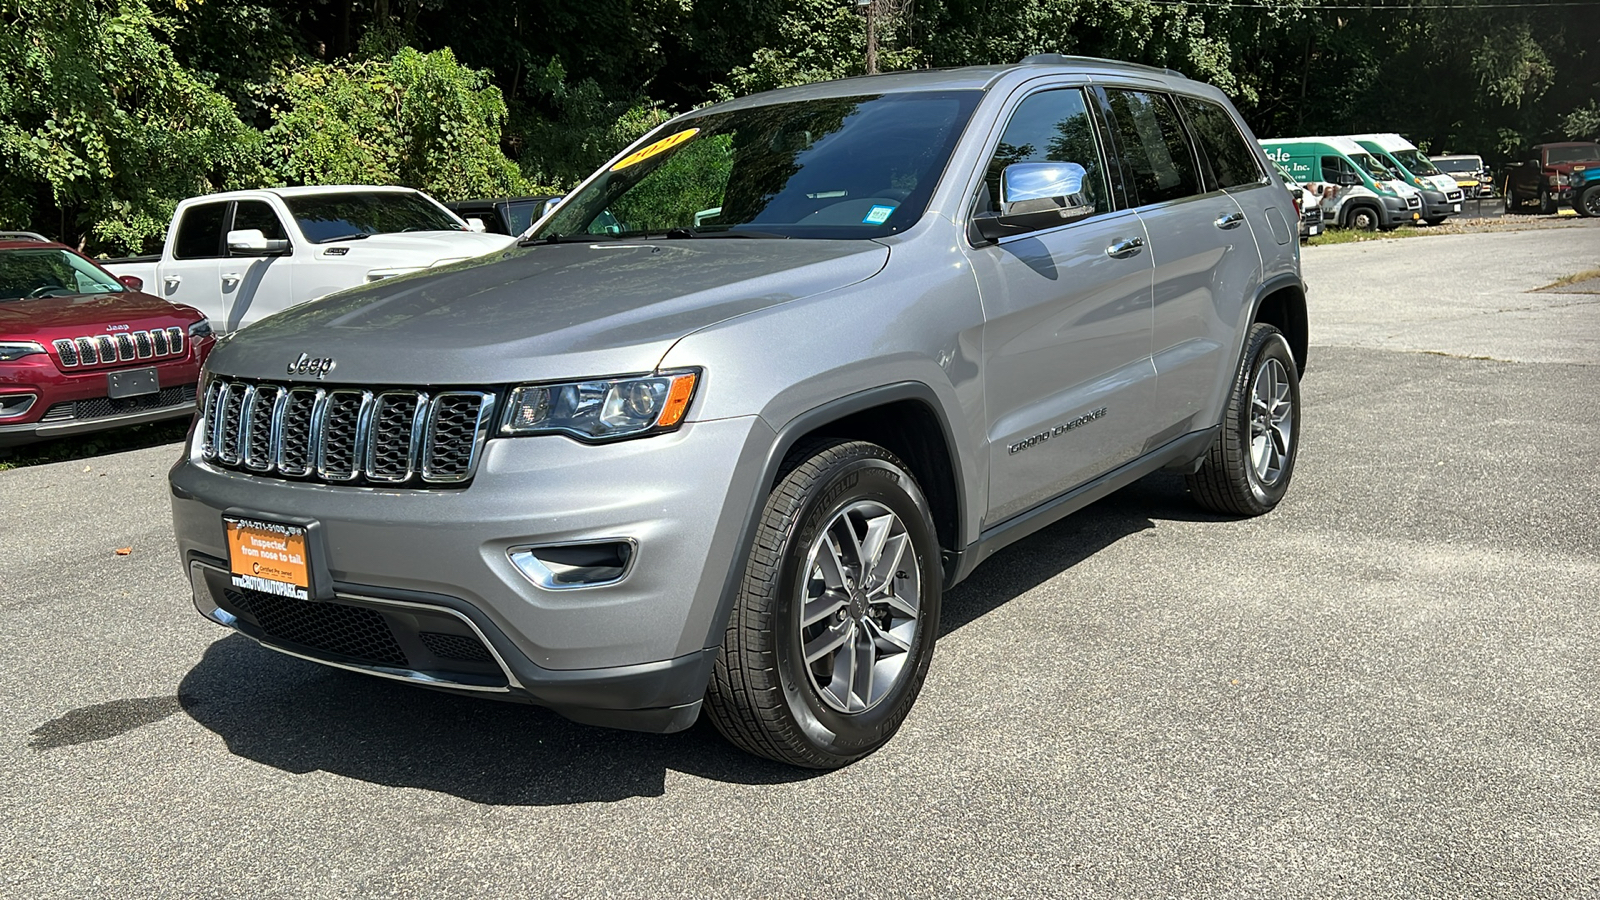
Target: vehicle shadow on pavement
301 717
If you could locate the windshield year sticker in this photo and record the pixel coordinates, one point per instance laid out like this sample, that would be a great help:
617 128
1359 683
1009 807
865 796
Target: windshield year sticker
878 215
661 146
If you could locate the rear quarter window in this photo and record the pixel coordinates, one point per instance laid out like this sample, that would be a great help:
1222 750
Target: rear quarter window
1225 147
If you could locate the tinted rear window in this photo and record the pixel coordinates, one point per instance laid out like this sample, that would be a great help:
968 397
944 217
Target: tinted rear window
1232 160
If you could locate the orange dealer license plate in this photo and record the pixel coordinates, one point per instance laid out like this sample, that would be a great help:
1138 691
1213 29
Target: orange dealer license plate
269 557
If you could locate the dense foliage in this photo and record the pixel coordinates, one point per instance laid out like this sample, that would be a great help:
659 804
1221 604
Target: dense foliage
112 110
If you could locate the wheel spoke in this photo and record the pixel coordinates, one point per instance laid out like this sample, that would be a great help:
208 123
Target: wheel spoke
887 636
872 545
831 563
883 573
821 607
831 639
863 661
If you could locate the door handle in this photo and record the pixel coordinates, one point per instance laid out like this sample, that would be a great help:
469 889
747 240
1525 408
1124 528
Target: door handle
230 277
1125 248
172 280
1229 220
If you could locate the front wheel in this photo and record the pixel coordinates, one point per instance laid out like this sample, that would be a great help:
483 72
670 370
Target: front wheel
833 629
1587 203
1247 470
1363 218
1547 203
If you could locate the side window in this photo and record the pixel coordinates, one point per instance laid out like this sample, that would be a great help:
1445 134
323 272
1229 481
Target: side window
200 232
1335 169
1052 126
1154 149
1232 160
260 216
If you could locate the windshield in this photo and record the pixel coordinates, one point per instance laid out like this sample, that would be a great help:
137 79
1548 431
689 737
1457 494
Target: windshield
51 273
1374 167
840 167
1459 165
1580 153
331 217
1415 162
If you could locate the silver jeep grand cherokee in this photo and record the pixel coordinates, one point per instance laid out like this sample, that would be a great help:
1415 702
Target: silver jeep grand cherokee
724 427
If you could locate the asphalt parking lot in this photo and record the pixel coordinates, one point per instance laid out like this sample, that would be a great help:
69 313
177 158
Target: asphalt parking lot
1386 688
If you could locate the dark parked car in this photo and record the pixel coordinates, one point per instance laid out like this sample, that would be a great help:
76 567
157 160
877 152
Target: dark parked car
507 215
82 351
1546 174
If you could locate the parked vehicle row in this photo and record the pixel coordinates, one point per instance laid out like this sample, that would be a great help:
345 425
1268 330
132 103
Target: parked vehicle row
1366 194
1554 175
1470 174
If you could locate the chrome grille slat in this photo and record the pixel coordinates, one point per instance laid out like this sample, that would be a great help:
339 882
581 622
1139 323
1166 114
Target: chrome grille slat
87 351
175 340
126 350
67 350
159 337
142 341
346 436
107 348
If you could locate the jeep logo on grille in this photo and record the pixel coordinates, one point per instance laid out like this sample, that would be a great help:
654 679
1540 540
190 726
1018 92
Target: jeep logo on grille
310 365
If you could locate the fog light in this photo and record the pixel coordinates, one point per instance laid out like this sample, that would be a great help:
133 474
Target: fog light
13 405
572 566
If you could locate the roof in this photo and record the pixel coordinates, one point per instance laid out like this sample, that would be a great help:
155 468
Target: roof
1389 142
308 189
1339 143
969 78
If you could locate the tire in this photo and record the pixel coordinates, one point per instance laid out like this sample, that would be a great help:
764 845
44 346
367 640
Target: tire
1587 204
1547 204
1247 470
1362 218
764 697
1436 220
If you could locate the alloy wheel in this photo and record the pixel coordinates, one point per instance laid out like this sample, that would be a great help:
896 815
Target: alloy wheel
861 607
1271 422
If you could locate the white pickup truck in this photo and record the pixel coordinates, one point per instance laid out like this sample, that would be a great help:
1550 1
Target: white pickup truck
244 255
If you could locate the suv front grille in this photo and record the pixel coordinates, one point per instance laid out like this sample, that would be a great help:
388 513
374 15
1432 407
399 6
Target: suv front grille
346 435
124 346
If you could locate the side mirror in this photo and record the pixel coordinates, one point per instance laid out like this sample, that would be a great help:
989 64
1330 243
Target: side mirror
131 282
251 242
476 225
1348 179
1034 196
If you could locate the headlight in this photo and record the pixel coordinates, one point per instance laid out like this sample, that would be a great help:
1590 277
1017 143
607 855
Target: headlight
11 351
200 329
602 409
1386 190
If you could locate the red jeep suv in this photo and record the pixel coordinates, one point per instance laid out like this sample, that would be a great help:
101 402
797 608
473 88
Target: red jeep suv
81 351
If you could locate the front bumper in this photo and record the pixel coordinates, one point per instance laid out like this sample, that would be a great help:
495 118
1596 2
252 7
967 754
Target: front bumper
635 653
1437 204
70 403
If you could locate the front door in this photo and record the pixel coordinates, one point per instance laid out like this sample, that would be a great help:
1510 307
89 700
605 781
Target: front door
1066 349
257 286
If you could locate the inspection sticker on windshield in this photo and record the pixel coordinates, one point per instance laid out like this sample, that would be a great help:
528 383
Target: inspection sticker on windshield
268 557
661 146
878 215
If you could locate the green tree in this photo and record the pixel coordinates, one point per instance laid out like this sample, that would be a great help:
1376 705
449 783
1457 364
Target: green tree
101 130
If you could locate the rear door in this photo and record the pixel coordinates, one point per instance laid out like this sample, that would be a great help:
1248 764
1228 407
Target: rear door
190 272
1203 250
1066 348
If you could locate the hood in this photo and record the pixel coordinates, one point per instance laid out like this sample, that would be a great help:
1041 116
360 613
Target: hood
1442 182
418 248
49 318
545 312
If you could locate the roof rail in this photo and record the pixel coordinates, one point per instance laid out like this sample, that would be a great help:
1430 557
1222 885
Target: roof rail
1061 59
23 236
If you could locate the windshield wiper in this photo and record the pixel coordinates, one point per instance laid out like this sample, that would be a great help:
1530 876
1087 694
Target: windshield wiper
358 236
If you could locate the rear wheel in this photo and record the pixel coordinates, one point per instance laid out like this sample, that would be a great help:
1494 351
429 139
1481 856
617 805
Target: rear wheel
1248 468
1363 218
834 626
1588 203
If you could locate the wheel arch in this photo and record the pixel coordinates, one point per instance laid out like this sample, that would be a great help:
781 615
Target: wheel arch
1281 303
905 418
